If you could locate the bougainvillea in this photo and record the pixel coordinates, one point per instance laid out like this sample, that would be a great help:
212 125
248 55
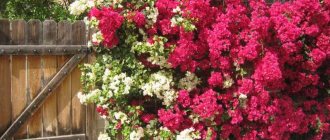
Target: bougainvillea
209 69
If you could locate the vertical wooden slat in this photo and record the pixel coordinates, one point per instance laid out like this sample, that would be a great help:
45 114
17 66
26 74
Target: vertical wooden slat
64 90
78 110
49 66
5 32
18 77
34 37
5 84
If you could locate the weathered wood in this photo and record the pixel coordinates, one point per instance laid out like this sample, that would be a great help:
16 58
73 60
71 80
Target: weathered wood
18 35
65 137
5 84
18 77
44 93
62 113
4 32
50 68
42 49
34 35
64 90
78 110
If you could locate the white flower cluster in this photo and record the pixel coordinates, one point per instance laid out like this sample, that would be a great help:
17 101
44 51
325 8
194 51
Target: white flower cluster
115 3
137 135
119 84
120 116
161 130
188 134
164 129
242 100
90 75
159 60
103 136
80 6
189 82
178 20
157 51
90 97
152 14
106 75
97 38
228 82
92 22
195 118
160 85
177 10
175 20
242 96
169 97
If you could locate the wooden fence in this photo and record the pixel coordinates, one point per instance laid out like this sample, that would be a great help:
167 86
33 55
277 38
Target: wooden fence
22 77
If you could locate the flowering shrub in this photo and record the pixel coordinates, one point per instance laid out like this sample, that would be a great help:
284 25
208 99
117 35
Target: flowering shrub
209 69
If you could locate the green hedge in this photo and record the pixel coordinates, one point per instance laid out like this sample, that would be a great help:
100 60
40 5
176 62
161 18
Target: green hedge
35 9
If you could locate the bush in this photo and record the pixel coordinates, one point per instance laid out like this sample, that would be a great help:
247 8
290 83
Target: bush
201 69
34 9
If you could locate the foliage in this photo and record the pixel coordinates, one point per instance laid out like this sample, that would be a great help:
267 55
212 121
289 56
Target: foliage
198 69
34 9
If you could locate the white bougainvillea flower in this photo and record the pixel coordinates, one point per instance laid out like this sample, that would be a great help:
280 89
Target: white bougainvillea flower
122 117
189 82
137 135
103 136
188 134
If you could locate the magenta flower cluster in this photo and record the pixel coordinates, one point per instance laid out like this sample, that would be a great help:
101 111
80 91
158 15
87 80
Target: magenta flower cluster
284 50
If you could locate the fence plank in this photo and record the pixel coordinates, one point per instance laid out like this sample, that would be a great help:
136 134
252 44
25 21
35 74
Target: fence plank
5 84
64 90
4 32
78 110
18 77
34 37
49 69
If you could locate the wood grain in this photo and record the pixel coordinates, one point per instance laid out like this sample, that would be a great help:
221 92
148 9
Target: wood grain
49 65
22 77
18 77
5 84
64 90
78 110
34 37
43 49
44 93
